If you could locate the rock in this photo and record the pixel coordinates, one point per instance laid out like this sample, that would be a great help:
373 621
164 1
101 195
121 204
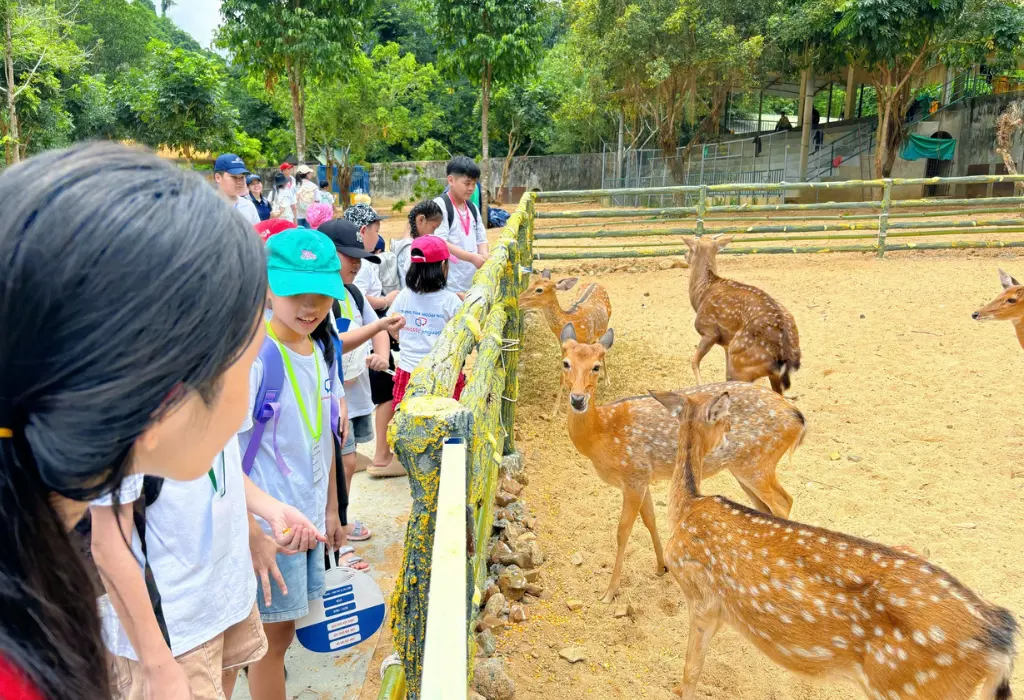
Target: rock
490 589
503 499
534 589
517 511
495 605
532 547
512 583
530 599
519 558
625 611
854 458
574 605
530 522
576 559
491 680
473 695
666 264
500 523
512 534
573 654
834 456
680 264
512 466
487 643
526 537
545 594
518 613
966 526
511 486
489 622
532 576
499 551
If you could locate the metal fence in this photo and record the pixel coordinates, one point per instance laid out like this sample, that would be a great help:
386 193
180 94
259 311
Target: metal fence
434 601
889 224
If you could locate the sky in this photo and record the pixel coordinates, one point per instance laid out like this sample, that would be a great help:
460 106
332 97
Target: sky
197 17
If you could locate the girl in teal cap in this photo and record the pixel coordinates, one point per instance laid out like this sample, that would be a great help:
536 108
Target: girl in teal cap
295 459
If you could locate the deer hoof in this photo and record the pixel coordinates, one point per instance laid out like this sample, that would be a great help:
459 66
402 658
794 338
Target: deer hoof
608 598
660 570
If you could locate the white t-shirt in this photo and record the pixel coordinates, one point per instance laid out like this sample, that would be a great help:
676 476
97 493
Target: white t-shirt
306 486
460 273
197 537
425 318
402 248
357 380
247 209
281 202
368 280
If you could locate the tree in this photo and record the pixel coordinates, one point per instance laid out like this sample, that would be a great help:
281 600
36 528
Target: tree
522 115
165 5
297 40
177 100
487 41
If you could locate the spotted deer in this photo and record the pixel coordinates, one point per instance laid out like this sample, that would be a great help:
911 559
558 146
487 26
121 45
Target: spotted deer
817 602
632 442
589 314
1008 306
758 334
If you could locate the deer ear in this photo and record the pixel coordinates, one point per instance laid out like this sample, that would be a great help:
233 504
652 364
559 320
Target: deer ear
690 243
567 283
670 400
545 274
718 408
608 338
723 241
1007 281
568 333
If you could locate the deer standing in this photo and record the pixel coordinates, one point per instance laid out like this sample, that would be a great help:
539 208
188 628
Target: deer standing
758 334
632 442
589 314
1008 306
817 602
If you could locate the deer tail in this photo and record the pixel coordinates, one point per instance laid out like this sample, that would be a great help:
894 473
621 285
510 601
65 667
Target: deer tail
1002 637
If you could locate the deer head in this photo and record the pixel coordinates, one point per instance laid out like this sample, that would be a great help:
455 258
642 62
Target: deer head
703 418
581 366
702 251
541 292
1007 306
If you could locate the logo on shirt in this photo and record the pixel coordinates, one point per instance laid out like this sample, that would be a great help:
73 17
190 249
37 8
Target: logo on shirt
421 321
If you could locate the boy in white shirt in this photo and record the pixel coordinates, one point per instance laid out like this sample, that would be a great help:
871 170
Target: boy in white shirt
462 227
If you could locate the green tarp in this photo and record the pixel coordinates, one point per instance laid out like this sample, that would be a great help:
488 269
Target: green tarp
926 147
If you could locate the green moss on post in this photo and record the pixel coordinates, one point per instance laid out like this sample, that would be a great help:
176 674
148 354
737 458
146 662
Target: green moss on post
702 210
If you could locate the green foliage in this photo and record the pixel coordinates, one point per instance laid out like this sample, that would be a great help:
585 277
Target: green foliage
248 149
431 149
522 115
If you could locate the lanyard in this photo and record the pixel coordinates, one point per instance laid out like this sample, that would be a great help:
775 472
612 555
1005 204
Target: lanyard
464 220
224 475
351 315
315 430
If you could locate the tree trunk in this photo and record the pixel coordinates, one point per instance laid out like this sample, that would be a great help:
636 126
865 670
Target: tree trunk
892 108
619 149
13 132
506 166
297 90
485 108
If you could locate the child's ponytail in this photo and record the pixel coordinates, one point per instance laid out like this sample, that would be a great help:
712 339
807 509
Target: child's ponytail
428 209
324 336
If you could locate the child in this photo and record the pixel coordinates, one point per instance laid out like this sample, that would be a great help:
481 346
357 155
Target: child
462 226
427 306
364 338
424 219
325 196
295 461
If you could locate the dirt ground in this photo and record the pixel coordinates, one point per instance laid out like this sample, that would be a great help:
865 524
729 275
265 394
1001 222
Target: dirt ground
894 372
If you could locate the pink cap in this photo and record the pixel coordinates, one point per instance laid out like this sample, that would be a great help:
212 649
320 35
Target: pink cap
428 249
318 213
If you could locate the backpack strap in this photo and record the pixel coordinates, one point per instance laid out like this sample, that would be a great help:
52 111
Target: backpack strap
267 406
357 295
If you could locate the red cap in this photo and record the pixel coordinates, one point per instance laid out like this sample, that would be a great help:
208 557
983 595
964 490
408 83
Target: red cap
428 249
286 165
272 227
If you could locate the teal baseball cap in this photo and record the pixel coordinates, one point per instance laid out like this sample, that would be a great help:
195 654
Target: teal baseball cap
303 261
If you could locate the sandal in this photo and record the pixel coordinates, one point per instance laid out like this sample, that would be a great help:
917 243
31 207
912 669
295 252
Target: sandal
360 533
392 468
353 561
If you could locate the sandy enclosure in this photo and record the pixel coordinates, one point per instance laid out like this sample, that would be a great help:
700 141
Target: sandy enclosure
895 372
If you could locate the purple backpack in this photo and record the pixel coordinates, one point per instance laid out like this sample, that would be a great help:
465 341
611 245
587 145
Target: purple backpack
268 405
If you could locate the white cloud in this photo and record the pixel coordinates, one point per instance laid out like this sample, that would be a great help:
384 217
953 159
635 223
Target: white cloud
200 18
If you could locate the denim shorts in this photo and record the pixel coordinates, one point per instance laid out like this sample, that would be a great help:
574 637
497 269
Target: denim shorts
360 430
303 573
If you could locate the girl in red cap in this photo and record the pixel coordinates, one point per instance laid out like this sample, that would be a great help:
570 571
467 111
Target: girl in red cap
427 306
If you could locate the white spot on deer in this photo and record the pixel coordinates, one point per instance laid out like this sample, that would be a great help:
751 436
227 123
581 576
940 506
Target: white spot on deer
937 634
920 638
901 653
909 689
944 660
857 630
839 643
878 632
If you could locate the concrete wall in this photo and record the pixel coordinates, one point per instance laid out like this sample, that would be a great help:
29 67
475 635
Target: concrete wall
558 172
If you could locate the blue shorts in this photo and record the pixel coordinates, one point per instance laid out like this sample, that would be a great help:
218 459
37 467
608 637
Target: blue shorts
303 573
360 430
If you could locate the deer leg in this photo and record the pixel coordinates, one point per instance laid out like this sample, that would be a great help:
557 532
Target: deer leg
703 627
782 501
630 507
647 514
776 383
755 499
703 348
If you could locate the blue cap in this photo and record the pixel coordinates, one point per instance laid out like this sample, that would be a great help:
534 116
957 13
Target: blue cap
231 164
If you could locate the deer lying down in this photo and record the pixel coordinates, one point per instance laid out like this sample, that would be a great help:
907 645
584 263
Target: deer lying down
1008 306
817 602
759 335
632 442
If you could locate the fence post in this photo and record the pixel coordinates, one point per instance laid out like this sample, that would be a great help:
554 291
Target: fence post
883 217
511 338
418 433
702 209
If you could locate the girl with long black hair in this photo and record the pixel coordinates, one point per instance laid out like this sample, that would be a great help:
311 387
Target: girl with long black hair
128 334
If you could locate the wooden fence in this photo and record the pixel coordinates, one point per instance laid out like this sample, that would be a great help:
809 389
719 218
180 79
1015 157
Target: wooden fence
431 624
821 224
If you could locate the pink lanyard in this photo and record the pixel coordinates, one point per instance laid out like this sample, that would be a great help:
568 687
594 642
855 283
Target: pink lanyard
464 220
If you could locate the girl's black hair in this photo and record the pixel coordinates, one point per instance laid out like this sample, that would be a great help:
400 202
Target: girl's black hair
430 211
127 284
324 335
302 176
424 278
463 165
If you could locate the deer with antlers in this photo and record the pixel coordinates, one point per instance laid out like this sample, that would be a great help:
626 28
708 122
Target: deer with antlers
758 334
1008 306
632 442
817 602
589 314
